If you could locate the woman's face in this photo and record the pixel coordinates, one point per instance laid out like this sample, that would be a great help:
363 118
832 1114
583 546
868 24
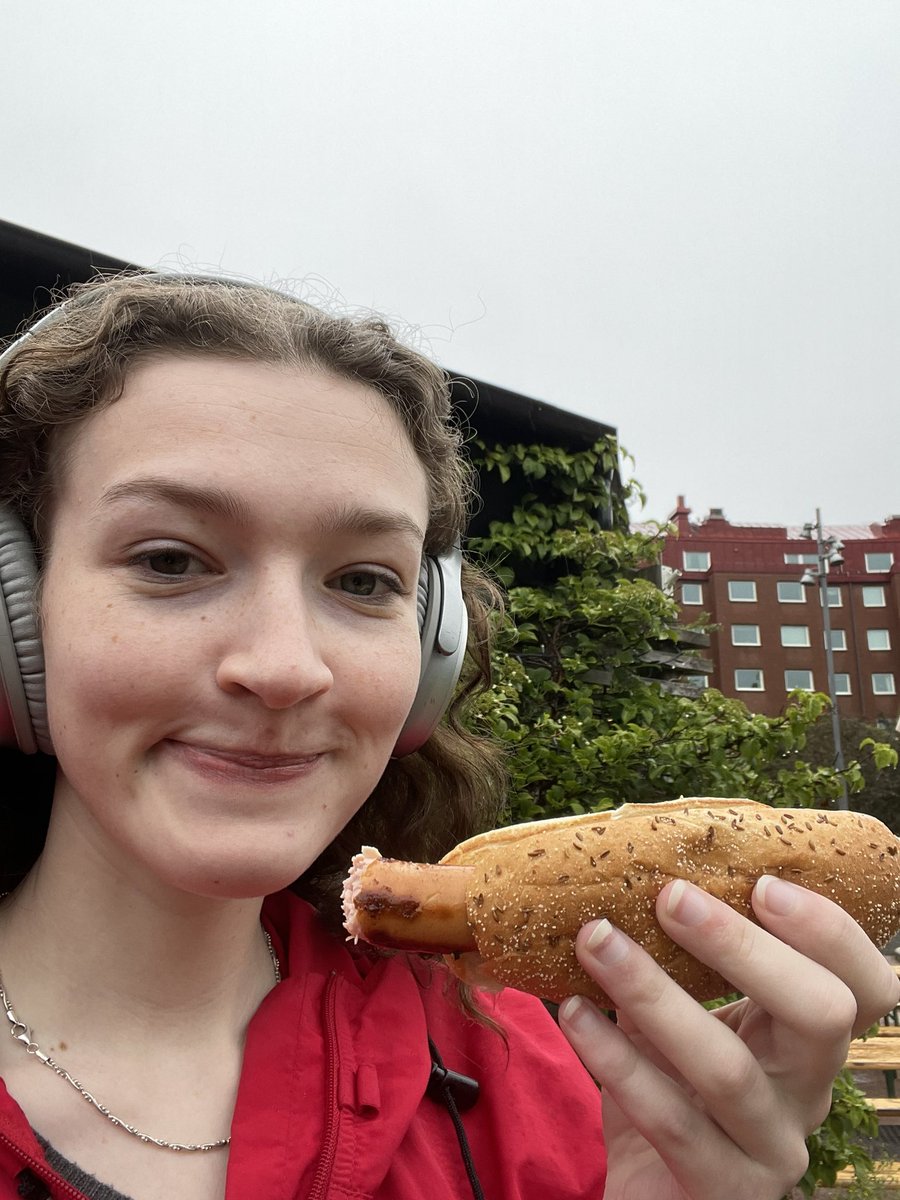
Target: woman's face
229 619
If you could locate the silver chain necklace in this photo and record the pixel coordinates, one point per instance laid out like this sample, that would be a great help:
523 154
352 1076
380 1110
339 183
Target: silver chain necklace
22 1033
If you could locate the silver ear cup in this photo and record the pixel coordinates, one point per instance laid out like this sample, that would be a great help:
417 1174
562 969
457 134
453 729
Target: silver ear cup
23 716
443 628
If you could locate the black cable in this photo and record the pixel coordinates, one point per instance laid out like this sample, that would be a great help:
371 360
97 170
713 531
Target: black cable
441 1086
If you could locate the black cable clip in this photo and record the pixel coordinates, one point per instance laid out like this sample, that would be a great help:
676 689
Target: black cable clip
463 1089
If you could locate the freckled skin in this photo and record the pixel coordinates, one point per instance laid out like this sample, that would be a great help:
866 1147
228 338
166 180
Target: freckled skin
262 648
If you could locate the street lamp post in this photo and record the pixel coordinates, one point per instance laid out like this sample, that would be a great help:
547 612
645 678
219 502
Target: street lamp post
828 553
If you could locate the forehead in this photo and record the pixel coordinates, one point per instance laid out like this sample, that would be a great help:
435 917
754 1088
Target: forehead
282 436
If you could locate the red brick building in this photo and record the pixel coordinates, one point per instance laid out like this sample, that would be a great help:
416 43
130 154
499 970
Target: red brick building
769 636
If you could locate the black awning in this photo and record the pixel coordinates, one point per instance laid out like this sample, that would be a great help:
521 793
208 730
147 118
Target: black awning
33 266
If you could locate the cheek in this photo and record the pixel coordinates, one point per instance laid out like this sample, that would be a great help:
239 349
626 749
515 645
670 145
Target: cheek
88 695
384 685
98 675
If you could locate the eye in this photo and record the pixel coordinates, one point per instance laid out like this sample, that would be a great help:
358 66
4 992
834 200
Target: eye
358 583
364 583
169 563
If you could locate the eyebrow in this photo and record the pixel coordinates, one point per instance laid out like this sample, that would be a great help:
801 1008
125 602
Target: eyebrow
349 518
201 497
219 502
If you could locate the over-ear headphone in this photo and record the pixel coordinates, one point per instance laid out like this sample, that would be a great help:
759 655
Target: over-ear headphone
441 611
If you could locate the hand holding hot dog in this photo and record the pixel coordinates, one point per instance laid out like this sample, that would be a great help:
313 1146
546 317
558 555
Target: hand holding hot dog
703 1105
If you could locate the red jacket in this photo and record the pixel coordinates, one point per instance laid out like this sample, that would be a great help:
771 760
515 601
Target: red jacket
332 1099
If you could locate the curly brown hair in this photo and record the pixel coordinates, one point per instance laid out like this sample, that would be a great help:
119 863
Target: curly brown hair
78 361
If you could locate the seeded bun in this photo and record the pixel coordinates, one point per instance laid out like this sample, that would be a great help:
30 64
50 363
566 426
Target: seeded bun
535 885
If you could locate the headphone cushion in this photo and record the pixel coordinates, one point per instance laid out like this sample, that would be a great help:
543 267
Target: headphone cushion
18 581
443 624
422 596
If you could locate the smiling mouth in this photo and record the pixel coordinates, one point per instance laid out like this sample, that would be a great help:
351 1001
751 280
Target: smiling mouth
244 764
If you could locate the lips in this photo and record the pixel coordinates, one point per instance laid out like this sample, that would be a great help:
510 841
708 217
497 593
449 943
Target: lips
249 758
244 764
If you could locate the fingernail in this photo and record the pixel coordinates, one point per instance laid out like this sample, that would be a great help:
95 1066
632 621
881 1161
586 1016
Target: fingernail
606 944
686 903
575 1012
778 896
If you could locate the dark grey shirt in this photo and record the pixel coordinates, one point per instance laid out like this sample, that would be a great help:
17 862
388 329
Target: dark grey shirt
89 1184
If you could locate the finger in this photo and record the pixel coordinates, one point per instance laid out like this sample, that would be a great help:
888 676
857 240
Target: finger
821 930
695 1149
796 990
704 1052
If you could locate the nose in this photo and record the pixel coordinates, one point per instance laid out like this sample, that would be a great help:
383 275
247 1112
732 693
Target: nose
276 649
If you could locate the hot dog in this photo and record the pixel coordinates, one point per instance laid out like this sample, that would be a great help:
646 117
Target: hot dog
505 906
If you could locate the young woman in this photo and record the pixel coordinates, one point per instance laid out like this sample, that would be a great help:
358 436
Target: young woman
230 495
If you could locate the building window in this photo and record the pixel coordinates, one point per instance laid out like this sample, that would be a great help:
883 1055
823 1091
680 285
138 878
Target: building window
873 596
742 590
807 560
841 684
879 562
834 597
878 639
791 592
838 639
795 635
695 560
748 680
883 683
745 635
692 593
697 681
798 680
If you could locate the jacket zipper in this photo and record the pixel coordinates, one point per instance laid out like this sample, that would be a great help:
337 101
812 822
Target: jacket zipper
329 1148
44 1171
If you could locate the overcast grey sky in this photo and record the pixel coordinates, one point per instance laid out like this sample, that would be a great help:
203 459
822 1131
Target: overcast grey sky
680 218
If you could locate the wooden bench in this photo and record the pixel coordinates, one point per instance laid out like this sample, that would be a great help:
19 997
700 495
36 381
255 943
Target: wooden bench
879 1053
888 1175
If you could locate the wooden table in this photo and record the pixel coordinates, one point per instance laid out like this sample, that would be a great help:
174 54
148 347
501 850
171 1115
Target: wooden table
881 1053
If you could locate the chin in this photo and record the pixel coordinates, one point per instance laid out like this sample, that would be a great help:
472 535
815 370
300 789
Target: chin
247 873
246 888
246 884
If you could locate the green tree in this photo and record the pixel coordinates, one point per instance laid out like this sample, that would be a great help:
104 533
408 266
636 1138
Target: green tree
876 750
586 717
582 706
